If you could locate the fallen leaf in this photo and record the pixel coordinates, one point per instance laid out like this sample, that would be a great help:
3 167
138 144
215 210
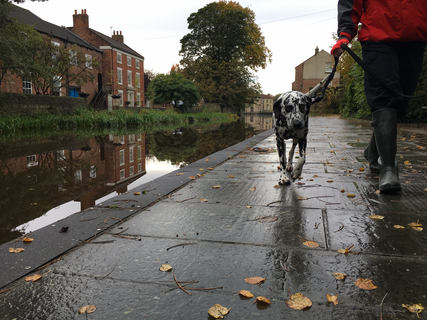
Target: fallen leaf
230 176
332 298
210 168
350 195
276 186
378 191
27 239
216 186
365 284
179 174
64 229
414 308
329 180
339 276
203 200
311 244
376 217
417 228
166 267
346 250
298 302
255 280
398 226
201 169
246 294
407 162
192 177
33 278
87 309
252 189
263 300
137 193
315 176
414 224
207 160
16 250
218 311
342 190
302 198
248 207
266 219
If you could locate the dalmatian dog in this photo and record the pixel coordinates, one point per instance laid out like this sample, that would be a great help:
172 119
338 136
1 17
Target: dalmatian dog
290 117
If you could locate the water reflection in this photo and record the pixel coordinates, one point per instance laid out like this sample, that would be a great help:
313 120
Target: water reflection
46 179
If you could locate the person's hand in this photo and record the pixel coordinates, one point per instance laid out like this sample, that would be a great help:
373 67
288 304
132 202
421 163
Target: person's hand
336 49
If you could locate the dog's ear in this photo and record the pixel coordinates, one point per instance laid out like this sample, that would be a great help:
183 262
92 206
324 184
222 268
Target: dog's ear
277 109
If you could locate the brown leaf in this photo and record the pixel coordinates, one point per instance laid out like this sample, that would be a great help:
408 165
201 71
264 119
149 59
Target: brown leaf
137 193
298 302
414 224
276 186
398 226
218 311
87 309
252 189
330 180
27 239
179 174
165 267
263 300
311 244
362 169
216 186
33 278
350 195
302 198
246 294
230 176
332 298
376 217
365 284
16 250
255 280
339 276
192 177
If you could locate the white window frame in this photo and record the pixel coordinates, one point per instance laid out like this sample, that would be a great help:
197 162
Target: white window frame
139 153
139 167
27 86
129 78
32 160
122 157
137 80
138 99
122 174
119 57
328 67
129 61
60 155
137 63
119 76
78 176
131 98
92 172
120 93
131 155
88 61
131 170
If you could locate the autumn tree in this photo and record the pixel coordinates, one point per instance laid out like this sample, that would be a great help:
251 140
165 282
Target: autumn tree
222 49
173 87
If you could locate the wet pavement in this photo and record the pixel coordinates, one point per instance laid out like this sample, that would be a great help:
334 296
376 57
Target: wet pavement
217 237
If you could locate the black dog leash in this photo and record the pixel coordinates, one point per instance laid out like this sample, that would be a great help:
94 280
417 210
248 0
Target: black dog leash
374 75
325 86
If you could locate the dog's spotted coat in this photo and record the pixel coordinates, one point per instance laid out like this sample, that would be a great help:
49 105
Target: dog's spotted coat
290 117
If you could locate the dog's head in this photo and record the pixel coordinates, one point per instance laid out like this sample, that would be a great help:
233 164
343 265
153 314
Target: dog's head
293 108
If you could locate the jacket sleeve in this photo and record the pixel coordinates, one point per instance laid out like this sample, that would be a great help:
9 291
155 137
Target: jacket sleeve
349 13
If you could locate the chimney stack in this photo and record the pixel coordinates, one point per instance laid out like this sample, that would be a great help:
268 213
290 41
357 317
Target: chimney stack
118 37
80 21
316 51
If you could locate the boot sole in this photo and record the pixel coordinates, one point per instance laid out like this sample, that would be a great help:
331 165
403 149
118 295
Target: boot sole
390 189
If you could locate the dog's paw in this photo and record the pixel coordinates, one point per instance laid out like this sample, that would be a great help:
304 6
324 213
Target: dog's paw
284 181
296 173
289 168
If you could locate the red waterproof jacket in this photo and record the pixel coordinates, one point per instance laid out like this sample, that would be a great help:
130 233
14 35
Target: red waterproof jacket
383 20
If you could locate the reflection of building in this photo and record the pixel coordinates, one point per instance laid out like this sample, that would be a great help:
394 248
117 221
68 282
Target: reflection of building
313 70
259 122
263 104
34 179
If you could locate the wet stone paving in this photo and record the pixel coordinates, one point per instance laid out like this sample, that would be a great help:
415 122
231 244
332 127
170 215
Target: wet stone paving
224 219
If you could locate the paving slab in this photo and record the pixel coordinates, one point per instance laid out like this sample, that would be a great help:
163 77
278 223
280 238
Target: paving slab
234 222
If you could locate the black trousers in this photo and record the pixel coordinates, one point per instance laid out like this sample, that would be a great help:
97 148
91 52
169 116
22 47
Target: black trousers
399 65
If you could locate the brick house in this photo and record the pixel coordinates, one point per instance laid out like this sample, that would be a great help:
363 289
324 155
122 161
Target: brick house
59 36
264 104
122 67
309 73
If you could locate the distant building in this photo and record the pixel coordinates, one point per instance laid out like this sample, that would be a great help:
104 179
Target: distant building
122 67
263 104
59 36
309 73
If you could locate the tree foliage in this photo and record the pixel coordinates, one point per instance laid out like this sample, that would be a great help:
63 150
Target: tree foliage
224 45
173 87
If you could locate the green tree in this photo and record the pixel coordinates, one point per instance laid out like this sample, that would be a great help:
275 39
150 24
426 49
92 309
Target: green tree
224 46
173 87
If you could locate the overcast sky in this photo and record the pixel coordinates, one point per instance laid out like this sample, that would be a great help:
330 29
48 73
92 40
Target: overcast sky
292 29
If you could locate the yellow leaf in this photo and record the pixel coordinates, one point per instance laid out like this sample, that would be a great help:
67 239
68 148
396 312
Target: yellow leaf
414 308
33 278
16 250
246 294
248 207
203 200
179 174
339 276
350 195
346 250
207 160
376 217
27 239
311 244
398 226
137 193
276 186
252 189
302 198
298 302
263 299
210 168
365 284
255 280
315 176
407 162
414 224
201 169
87 309
329 180
216 186
230 176
192 177
332 298
417 228
165 267
362 169
218 311
378 191
200 175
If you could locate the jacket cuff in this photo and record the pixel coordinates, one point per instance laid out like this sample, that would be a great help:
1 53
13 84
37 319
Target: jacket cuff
346 35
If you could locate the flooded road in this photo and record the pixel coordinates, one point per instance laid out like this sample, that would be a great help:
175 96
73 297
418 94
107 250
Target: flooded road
45 179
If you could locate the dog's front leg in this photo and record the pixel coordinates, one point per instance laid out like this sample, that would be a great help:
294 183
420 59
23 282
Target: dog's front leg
291 155
298 168
281 150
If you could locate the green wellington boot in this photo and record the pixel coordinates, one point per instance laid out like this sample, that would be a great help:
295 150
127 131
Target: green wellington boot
371 155
385 131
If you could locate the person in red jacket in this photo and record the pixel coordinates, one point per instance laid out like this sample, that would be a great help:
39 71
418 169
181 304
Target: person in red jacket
393 35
